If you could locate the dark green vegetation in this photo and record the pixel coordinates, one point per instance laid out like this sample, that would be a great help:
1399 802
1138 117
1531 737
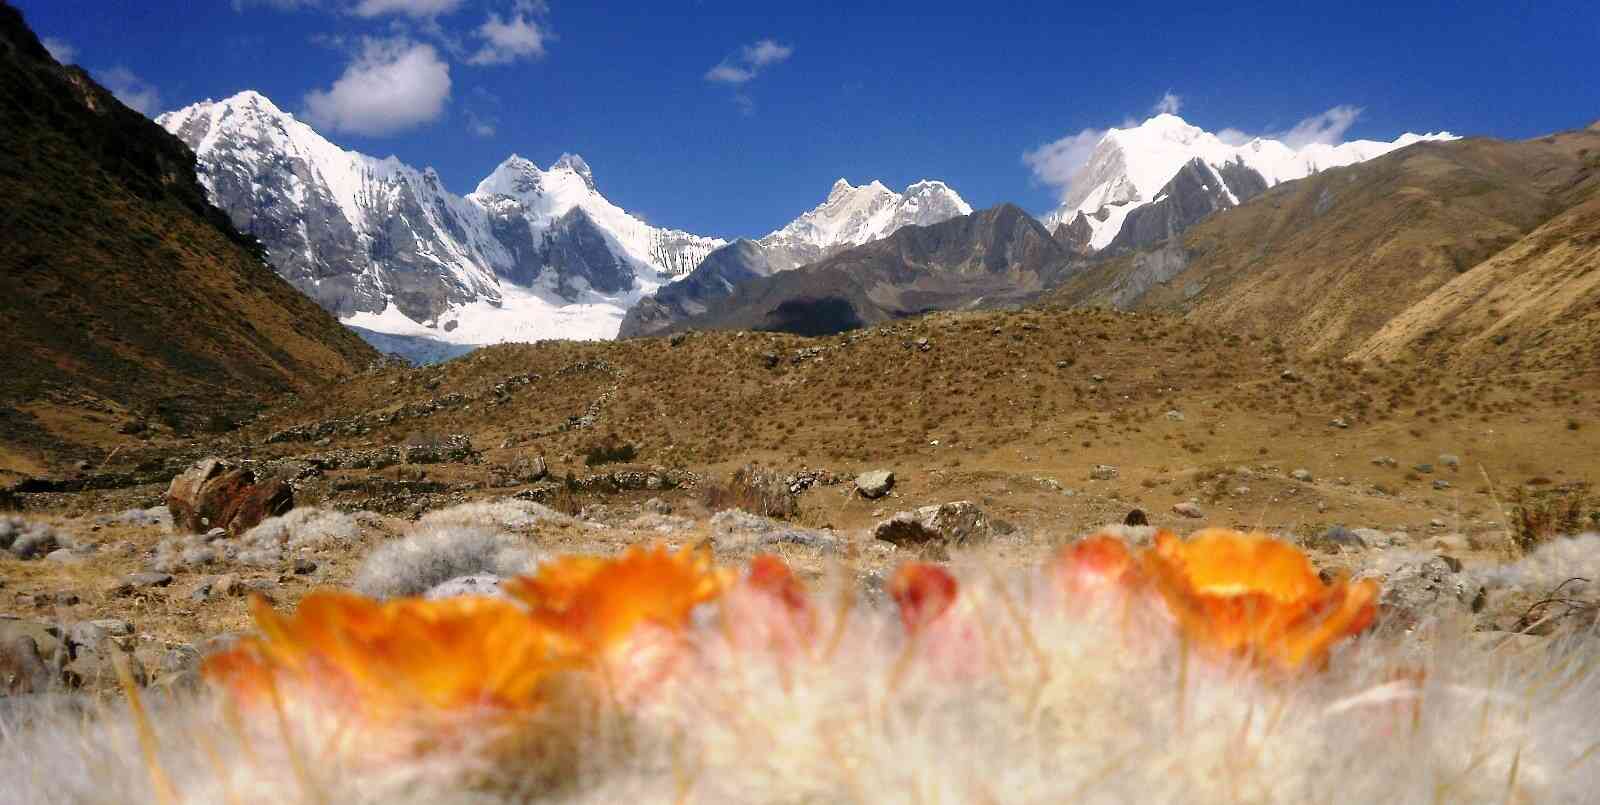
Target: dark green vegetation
128 302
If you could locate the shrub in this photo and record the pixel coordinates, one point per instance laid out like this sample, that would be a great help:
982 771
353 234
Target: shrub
610 452
753 490
1537 517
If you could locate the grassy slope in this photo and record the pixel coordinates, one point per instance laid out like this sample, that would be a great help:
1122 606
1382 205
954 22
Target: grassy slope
123 293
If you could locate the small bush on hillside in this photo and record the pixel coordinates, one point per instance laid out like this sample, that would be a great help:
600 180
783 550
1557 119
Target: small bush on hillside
753 490
1537 517
611 451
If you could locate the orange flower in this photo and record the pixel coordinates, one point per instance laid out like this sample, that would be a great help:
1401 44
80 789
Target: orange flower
923 592
599 602
1093 564
769 609
395 658
1250 595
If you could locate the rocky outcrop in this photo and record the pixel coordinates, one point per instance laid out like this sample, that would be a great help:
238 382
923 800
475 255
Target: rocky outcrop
1198 190
958 523
215 494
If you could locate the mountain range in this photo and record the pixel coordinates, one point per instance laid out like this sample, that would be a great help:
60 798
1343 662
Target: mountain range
531 253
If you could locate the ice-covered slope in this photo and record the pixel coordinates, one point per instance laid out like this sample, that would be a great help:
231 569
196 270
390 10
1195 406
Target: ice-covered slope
532 253
853 215
1129 167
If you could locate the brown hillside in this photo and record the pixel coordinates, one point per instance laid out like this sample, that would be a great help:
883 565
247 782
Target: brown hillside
124 295
1326 262
1534 305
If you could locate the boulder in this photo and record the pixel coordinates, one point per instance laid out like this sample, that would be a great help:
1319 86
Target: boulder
1102 472
215 494
875 483
1432 587
958 523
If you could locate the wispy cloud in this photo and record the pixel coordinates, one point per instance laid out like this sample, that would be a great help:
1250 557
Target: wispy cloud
392 85
481 113
134 92
743 66
416 9
60 50
1056 164
1168 105
1327 128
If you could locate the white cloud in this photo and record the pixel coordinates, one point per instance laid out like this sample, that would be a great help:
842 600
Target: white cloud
1168 105
506 40
134 92
60 50
1327 128
745 65
391 86
1057 163
481 126
416 9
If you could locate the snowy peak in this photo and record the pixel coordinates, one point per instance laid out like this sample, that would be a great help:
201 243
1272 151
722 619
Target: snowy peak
1130 166
574 164
853 215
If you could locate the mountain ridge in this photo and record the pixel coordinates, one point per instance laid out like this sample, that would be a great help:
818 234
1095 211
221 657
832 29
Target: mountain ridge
129 301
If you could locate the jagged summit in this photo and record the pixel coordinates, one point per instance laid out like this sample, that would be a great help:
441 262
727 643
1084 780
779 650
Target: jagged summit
853 215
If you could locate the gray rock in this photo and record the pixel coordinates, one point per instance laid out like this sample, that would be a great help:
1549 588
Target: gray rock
141 581
1188 508
874 484
484 584
1303 476
1175 416
1431 587
1450 460
64 556
740 531
1338 537
1339 422
1441 484
957 523
1102 472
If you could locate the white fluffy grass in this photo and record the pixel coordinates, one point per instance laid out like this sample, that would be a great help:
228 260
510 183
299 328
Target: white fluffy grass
1549 565
503 513
305 528
1099 706
436 552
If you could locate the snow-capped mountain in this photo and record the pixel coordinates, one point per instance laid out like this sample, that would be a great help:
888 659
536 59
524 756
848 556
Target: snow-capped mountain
853 215
1131 167
532 253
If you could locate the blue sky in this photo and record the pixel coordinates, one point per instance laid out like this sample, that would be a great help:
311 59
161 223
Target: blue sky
729 118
